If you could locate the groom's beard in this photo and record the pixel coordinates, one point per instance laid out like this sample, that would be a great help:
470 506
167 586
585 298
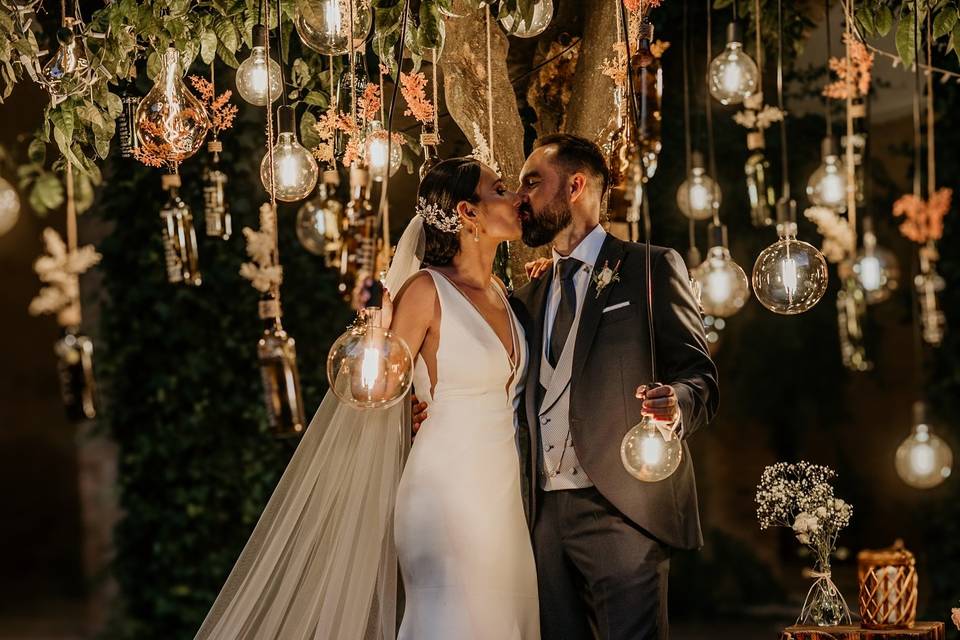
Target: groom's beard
540 228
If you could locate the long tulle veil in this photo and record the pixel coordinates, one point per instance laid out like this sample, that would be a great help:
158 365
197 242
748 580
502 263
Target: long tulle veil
321 562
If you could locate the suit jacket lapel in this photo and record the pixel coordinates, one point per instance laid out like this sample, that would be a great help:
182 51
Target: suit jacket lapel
538 310
611 253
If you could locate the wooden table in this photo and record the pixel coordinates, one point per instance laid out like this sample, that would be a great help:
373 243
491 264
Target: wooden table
920 631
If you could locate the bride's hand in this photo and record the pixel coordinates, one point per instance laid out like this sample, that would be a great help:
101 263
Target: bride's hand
538 267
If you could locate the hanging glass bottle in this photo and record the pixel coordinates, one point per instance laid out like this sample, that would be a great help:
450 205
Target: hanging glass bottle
320 219
78 388
929 283
858 111
358 255
648 86
126 131
68 72
346 102
429 141
851 309
277 357
216 211
763 200
179 237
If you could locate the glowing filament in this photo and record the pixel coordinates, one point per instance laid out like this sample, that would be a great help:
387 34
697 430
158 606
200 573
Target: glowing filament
370 367
788 271
651 450
870 273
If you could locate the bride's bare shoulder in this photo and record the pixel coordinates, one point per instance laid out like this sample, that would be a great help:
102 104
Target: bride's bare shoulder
418 292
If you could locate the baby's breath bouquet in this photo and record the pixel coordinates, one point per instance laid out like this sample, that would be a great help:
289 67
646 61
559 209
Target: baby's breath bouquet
799 496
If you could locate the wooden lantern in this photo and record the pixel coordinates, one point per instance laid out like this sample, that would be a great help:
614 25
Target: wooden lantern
888 588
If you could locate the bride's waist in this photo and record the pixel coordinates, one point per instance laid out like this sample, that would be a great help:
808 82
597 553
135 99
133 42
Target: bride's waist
468 405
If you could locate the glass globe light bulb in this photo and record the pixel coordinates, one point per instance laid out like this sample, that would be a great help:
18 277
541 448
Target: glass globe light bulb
368 366
789 276
294 168
698 197
9 206
319 219
827 186
542 16
376 151
324 25
723 284
68 71
875 268
923 460
647 455
169 116
258 72
733 74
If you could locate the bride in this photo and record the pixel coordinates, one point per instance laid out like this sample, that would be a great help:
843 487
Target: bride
322 561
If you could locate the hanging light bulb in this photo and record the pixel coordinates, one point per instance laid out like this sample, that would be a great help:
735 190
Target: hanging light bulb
827 186
294 168
368 366
67 73
789 276
723 284
875 268
319 219
169 116
646 453
699 195
542 16
9 206
733 74
324 25
258 73
923 460
377 148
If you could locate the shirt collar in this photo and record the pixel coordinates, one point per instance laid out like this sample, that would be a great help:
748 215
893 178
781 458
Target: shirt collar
588 250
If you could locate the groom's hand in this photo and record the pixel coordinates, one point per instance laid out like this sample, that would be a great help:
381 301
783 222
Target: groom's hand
660 403
419 413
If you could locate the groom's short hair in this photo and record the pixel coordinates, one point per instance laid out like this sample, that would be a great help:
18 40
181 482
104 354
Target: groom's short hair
575 153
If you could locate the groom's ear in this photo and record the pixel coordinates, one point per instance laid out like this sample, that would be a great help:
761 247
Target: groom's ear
577 185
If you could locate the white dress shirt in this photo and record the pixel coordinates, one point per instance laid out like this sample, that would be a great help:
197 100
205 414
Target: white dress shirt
586 252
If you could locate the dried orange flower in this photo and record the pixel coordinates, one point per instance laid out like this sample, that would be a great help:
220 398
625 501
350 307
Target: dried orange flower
923 221
221 112
369 102
151 153
658 47
616 68
412 87
853 74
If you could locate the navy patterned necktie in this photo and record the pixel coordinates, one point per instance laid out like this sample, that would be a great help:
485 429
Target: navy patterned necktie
566 311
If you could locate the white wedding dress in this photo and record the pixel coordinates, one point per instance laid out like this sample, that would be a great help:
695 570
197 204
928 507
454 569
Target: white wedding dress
460 532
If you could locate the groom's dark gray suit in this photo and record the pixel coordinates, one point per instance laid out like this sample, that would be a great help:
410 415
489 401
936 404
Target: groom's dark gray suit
603 552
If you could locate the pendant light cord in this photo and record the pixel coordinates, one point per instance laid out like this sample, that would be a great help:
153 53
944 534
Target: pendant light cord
711 151
283 82
687 137
828 113
274 289
784 159
931 115
759 39
645 204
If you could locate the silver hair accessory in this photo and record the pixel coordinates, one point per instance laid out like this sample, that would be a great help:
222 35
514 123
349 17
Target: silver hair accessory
436 217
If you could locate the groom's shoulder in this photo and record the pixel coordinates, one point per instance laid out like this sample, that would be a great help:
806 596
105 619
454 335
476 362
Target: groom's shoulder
635 252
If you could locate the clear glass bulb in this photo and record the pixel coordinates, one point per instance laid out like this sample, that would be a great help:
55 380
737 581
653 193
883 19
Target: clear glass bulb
9 206
542 16
295 170
789 276
170 117
923 459
827 186
368 366
876 269
324 25
255 74
647 455
698 197
733 74
376 151
318 223
723 284
67 73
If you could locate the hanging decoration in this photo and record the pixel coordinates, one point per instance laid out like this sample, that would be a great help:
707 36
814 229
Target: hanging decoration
851 309
923 459
789 276
359 253
698 197
126 122
216 209
528 26
724 288
288 170
757 117
430 129
180 250
258 73
60 270
876 268
9 206
799 496
733 74
326 26
319 221
69 72
276 350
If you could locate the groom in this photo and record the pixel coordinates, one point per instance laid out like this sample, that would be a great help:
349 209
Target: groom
602 539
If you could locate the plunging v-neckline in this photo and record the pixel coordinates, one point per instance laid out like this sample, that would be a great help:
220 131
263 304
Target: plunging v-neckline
512 358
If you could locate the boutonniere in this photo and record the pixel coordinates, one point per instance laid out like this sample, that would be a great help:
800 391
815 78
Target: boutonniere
606 276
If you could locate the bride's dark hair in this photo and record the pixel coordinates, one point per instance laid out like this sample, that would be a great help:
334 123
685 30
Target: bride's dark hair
446 185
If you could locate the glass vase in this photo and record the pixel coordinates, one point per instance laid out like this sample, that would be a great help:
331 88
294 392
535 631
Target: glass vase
824 605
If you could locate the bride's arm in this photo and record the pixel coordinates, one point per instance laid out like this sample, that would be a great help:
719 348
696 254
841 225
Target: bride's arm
414 311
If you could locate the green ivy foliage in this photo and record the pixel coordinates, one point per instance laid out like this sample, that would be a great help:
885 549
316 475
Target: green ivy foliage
183 397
